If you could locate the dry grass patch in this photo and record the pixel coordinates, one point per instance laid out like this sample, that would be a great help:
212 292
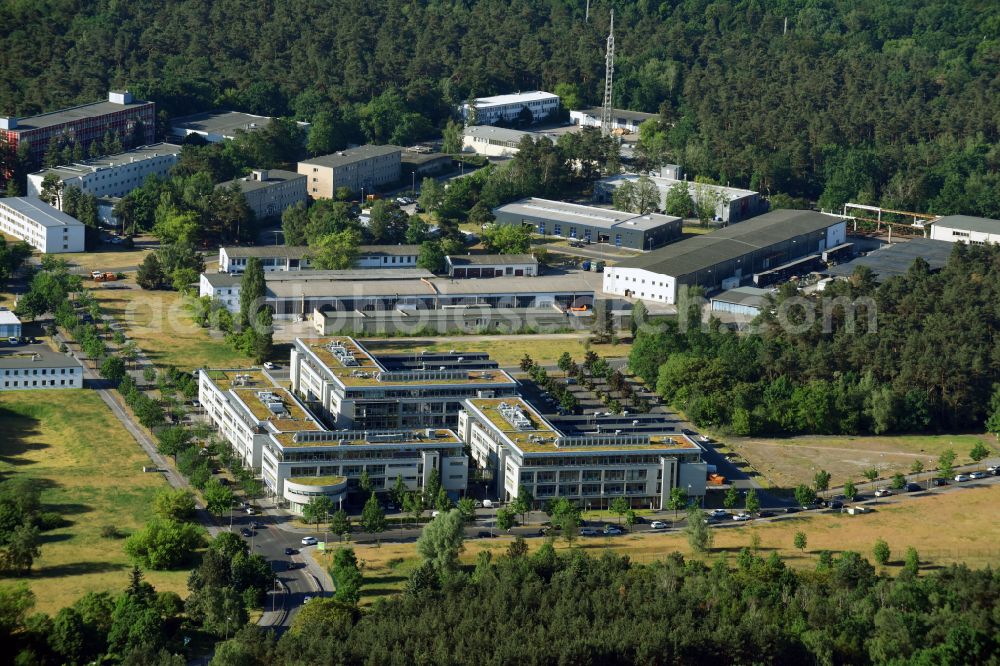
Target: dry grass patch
160 323
789 462
505 350
91 471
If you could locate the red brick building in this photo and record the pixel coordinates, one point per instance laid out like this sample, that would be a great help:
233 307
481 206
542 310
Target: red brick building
86 123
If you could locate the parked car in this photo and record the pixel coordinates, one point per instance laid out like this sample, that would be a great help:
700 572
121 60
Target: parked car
962 477
245 532
255 525
913 487
306 599
765 514
718 513
741 517
978 475
250 511
836 504
611 530
883 492
657 525
270 366
940 482
705 439
483 535
589 531
792 509
309 541
290 551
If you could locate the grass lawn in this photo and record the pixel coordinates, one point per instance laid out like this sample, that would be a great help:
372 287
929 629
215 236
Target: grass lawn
505 350
161 325
109 258
915 522
91 470
789 462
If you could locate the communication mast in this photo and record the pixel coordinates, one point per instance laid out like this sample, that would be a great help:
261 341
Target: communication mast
609 72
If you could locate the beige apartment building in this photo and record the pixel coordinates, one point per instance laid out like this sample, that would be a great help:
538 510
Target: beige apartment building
364 169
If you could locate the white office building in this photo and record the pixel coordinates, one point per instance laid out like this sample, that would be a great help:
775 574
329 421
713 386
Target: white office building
515 446
491 141
731 204
10 325
507 108
296 257
621 119
966 229
114 175
45 228
36 367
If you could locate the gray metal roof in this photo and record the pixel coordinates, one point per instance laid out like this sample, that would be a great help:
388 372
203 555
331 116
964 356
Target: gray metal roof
895 259
570 213
274 177
361 288
71 114
352 155
224 123
969 223
36 356
40 212
490 259
619 113
700 252
299 251
83 167
503 133
752 296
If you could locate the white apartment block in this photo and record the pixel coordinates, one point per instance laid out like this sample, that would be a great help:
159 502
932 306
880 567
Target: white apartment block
45 228
966 229
507 108
353 389
114 175
363 169
10 325
38 368
516 446
273 433
296 257
270 191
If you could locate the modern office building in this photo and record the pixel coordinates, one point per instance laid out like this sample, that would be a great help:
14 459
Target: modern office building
216 126
507 108
296 257
365 168
297 294
770 244
621 119
10 325
497 141
966 229
491 265
37 367
354 389
298 458
112 176
591 224
731 204
45 228
132 120
516 446
270 191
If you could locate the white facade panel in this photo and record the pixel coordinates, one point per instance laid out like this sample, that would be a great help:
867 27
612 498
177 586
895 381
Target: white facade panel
641 284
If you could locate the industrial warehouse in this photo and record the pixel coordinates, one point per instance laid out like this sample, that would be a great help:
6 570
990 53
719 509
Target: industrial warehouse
765 249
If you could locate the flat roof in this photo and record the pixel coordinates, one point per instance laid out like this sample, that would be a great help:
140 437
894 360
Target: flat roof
224 123
40 212
352 155
895 259
274 177
694 254
74 113
313 280
36 356
514 98
246 385
984 225
410 157
539 435
596 112
503 133
360 286
367 370
490 259
561 211
299 251
420 438
666 183
83 167
750 296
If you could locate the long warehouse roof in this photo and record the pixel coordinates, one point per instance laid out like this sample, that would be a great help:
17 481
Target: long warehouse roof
701 252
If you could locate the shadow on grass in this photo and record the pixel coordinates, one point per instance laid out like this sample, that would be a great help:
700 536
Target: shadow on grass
68 509
17 429
53 538
78 568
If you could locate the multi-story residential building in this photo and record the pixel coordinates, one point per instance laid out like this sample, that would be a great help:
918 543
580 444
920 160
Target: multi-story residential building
507 108
296 257
270 191
112 176
132 120
10 325
516 447
37 367
355 390
46 228
277 436
362 169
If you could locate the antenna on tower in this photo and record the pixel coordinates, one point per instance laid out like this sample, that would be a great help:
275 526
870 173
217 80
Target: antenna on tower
609 73
586 17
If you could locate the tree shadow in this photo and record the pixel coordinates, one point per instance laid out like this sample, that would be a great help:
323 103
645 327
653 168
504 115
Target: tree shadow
15 431
68 509
53 538
79 568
